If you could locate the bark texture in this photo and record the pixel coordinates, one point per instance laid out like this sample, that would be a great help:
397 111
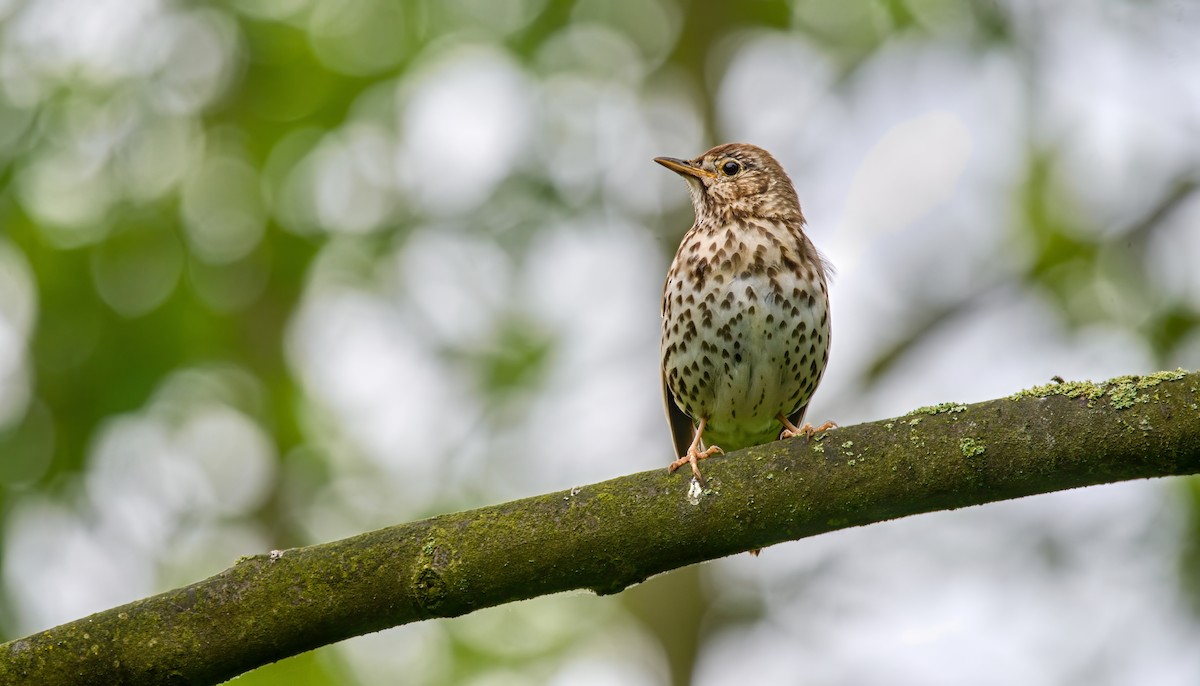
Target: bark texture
609 535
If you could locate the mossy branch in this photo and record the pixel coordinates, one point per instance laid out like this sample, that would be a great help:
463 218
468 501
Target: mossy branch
610 535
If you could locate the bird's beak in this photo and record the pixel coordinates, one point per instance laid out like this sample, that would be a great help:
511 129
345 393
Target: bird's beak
684 167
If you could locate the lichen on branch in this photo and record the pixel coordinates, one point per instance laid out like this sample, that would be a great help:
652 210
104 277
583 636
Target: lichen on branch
610 535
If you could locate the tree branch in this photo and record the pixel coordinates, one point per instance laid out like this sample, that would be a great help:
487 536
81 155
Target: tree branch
609 535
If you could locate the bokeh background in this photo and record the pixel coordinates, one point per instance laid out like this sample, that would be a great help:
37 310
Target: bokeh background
274 272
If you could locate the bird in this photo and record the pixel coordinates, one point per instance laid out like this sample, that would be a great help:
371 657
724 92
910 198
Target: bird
745 309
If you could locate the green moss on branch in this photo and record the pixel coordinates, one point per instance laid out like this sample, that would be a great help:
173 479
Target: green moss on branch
609 535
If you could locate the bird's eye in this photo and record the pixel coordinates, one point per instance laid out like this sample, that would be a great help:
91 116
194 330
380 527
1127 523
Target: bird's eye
730 168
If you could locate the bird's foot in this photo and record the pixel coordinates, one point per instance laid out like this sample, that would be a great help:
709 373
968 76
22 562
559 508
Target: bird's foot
694 455
808 431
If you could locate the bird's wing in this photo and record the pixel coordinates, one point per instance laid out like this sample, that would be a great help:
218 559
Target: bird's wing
682 429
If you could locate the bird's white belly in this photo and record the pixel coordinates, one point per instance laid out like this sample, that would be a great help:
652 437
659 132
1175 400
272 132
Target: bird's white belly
751 361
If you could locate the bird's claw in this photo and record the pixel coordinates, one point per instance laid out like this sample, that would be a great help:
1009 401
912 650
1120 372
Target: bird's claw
693 456
808 431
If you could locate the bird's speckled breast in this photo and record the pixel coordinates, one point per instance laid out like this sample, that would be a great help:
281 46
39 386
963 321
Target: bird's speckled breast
745 329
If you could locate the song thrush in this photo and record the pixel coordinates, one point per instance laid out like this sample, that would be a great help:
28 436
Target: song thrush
745 310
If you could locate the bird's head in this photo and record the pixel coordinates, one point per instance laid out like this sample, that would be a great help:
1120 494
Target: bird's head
737 180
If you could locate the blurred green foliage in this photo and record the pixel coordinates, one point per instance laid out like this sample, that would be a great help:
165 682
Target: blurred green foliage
152 181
